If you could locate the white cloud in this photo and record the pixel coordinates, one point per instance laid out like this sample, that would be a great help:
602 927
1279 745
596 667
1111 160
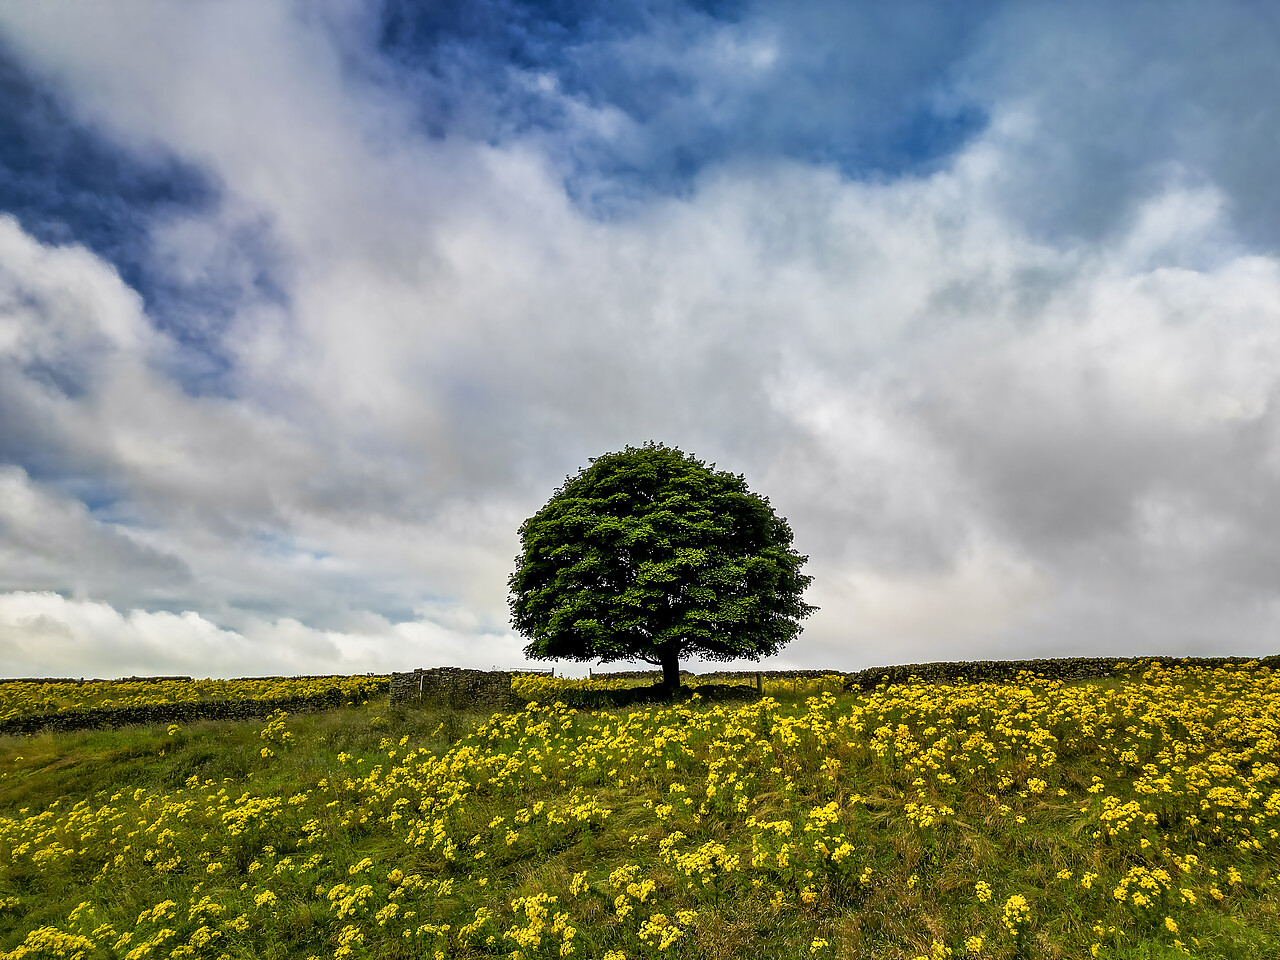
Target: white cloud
44 634
80 304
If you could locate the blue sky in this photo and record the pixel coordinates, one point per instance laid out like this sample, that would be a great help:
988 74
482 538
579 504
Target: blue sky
690 86
305 307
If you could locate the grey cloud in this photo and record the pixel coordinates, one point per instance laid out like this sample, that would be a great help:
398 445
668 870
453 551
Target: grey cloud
1132 460
51 544
1122 101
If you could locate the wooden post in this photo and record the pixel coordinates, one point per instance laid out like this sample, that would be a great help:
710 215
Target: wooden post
760 681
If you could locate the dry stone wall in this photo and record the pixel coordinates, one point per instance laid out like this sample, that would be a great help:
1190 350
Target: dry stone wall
453 688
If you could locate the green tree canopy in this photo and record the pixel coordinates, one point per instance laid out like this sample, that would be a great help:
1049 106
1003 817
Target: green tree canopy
649 554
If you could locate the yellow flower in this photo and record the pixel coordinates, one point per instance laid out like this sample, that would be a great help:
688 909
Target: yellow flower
1017 914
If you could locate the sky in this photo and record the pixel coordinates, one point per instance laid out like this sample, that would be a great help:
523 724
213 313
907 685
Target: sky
306 306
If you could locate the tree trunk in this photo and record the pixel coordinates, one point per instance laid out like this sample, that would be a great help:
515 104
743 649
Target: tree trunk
671 667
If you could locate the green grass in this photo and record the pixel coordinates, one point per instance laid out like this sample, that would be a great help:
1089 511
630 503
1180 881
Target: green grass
100 827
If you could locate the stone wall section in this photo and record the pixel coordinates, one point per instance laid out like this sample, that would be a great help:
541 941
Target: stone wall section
454 688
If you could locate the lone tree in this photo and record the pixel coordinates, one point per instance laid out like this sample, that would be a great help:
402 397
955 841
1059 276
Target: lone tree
649 554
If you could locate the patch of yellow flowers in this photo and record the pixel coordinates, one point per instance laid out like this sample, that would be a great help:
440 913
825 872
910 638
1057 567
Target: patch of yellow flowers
29 699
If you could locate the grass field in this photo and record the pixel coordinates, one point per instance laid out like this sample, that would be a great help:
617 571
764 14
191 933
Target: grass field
1129 818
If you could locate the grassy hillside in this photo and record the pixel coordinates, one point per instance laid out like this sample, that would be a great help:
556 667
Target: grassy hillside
1133 818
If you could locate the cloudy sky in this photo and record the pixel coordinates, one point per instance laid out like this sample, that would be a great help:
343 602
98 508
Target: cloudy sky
304 307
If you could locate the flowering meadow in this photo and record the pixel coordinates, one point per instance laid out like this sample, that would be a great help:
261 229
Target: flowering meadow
30 698
1134 817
